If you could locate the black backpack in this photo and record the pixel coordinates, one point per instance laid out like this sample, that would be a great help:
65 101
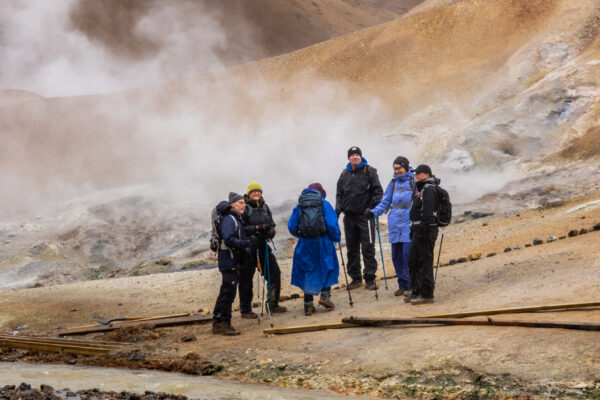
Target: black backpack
444 206
311 223
216 216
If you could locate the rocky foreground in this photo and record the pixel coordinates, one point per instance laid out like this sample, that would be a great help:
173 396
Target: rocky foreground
25 392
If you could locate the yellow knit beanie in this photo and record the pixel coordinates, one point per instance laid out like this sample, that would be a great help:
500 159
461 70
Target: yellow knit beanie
252 186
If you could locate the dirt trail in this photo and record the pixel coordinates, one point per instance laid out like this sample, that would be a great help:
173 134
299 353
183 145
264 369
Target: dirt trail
559 272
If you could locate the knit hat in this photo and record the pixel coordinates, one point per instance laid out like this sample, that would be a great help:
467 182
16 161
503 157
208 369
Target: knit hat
423 169
317 186
252 186
233 197
402 161
354 150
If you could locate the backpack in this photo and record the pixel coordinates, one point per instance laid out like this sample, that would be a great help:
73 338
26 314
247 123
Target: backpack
444 206
311 223
216 216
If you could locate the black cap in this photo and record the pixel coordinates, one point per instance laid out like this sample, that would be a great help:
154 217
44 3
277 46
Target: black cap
423 169
233 197
354 150
402 161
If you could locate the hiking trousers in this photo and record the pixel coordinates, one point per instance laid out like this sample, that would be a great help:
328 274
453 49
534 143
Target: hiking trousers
400 252
247 278
420 259
229 282
356 229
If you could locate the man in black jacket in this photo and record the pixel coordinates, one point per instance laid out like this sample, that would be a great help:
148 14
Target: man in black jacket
232 255
259 224
423 234
359 190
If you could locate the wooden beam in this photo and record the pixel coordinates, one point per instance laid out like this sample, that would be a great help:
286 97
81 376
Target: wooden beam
54 345
365 321
515 310
308 328
152 323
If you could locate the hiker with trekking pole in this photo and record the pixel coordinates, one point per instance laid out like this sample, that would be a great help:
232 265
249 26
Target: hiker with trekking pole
229 240
358 190
397 200
315 266
431 209
258 223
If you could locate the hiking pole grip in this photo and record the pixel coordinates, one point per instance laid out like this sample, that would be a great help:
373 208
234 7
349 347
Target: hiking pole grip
381 252
345 274
438 261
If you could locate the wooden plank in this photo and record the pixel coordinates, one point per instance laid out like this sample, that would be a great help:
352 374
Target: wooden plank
33 339
152 323
308 328
148 318
515 310
52 348
365 321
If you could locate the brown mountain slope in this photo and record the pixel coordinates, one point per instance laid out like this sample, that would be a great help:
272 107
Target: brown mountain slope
254 29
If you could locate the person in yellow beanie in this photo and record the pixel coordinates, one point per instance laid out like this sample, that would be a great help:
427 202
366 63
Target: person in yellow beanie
258 222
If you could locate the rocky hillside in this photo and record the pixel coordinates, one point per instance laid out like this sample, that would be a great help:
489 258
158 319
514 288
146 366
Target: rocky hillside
499 96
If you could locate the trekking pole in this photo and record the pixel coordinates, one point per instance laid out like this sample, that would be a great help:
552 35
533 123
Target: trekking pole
381 251
273 244
268 272
439 254
259 268
371 243
345 274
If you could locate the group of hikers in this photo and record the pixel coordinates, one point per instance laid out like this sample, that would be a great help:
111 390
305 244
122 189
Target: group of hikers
245 226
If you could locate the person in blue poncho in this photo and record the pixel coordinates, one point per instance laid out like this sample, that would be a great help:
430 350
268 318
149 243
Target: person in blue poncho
398 200
315 267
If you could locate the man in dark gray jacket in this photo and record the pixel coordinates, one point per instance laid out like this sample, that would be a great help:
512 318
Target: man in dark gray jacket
359 190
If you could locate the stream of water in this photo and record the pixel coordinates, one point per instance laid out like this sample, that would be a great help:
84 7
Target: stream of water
111 379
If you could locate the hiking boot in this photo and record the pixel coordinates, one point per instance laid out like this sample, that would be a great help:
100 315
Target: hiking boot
371 285
421 300
355 284
407 299
325 300
400 292
407 292
217 328
278 309
229 330
249 315
309 308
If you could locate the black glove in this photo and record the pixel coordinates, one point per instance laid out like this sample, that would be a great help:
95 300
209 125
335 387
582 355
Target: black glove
369 214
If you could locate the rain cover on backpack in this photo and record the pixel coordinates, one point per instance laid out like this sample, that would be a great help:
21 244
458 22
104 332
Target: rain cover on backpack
216 216
311 223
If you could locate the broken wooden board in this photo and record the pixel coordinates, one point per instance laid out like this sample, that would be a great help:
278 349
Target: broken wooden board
151 323
308 328
366 321
55 345
515 310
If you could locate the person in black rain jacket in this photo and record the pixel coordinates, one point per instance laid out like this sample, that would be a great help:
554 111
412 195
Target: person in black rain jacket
259 224
423 233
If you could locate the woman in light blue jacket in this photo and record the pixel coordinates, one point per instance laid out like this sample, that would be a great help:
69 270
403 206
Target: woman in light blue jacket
398 200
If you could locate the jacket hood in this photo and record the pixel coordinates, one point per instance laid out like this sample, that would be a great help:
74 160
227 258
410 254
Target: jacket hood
430 181
406 176
253 203
312 190
223 207
362 164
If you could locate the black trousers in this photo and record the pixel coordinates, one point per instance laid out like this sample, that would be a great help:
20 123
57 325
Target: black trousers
222 312
356 229
247 277
420 259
